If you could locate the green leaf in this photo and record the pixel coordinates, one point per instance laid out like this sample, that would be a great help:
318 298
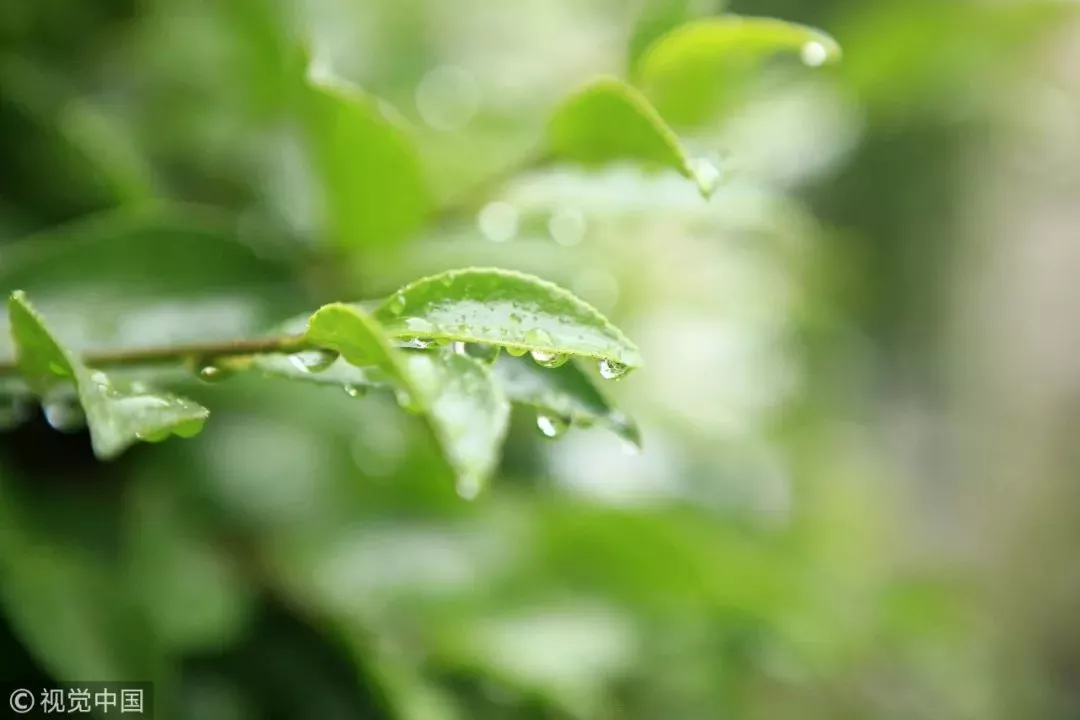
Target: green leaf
608 120
505 308
565 392
659 16
693 71
118 414
65 595
372 180
466 411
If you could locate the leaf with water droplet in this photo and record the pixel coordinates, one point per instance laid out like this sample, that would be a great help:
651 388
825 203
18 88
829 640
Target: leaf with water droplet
547 359
477 304
465 409
209 372
551 426
117 414
698 69
339 373
608 121
565 392
610 370
313 361
371 176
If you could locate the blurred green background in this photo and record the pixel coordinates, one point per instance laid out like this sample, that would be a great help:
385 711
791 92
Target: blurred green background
858 496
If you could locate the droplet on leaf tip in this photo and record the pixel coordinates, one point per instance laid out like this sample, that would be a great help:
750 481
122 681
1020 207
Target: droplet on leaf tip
612 370
814 53
355 391
706 174
313 361
468 487
550 426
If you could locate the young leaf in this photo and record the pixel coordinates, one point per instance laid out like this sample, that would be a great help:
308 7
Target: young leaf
118 414
565 392
510 309
689 72
372 180
608 120
466 411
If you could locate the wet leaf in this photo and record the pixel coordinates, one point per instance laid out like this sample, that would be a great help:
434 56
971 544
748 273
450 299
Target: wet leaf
565 392
510 309
372 180
692 71
466 411
608 120
118 413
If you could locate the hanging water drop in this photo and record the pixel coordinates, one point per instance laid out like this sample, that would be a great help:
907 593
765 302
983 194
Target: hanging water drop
706 174
468 487
415 343
550 426
516 351
459 348
484 353
814 53
548 359
355 391
64 414
208 372
611 370
313 361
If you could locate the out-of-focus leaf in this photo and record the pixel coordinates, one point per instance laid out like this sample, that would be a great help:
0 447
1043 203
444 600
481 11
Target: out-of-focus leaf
189 590
65 598
466 411
157 274
659 16
118 414
565 392
691 71
608 120
372 180
509 309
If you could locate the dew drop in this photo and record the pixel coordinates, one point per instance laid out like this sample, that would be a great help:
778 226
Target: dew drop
459 348
550 426
545 358
211 373
706 174
498 221
416 343
355 391
397 304
468 487
611 370
814 54
486 354
515 351
65 415
313 361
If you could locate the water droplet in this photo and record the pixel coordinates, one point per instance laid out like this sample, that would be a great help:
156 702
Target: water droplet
64 414
611 370
396 304
515 351
487 354
567 226
415 343
630 449
536 336
405 401
468 487
355 391
211 373
313 361
498 221
459 348
814 53
548 359
447 98
551 426
706 174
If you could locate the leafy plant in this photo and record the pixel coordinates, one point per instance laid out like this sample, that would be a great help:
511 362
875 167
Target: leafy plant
452 348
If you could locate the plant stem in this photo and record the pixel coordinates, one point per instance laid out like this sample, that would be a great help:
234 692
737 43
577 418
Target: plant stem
176 354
